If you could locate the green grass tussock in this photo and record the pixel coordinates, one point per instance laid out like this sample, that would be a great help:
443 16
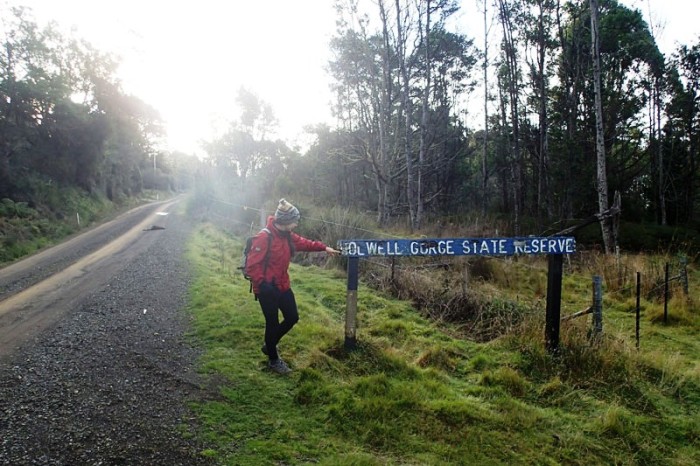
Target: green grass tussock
426 390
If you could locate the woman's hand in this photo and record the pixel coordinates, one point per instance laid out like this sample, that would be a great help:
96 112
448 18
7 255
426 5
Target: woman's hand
332 252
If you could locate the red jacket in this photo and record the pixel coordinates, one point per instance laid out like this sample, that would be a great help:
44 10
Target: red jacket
279 257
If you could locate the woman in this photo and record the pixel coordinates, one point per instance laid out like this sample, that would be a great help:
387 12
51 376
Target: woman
267 266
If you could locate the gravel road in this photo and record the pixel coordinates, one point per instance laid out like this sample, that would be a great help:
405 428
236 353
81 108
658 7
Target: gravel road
110 382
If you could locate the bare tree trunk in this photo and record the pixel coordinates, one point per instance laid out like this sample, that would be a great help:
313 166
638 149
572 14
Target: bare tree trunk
601 169
692 168
569 86
503 157
659 151
542 191
656 133
484 172
423 122
382 201
406 99
512 68
384 114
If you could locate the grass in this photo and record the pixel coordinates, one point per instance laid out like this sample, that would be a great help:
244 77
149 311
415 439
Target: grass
416 392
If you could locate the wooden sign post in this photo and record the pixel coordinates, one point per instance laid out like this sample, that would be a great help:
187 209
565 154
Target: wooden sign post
554 247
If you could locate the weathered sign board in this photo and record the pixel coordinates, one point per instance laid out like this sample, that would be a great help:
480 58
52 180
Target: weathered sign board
553 247
457 246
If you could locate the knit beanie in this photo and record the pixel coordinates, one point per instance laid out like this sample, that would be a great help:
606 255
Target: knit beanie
286 213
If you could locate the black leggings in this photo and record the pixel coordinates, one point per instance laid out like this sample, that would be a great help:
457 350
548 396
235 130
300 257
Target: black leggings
274 330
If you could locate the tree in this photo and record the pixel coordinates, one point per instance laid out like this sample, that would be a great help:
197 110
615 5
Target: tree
100 144
364 73
484 153
628 56
257 117
511 81
601 170
538 24
17 112
683 133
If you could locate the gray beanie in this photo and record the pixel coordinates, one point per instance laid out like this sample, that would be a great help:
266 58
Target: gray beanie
286 213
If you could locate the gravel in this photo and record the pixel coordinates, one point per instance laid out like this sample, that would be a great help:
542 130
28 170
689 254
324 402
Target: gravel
111 382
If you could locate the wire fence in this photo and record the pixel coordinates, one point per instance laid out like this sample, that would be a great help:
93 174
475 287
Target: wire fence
242 219
596 308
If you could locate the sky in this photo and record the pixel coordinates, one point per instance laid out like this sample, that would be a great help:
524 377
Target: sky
188 59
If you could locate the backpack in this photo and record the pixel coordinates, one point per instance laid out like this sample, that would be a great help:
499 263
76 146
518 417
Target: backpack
246 251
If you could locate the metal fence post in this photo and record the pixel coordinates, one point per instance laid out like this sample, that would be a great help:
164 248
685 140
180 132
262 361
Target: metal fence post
639 290
351 304
597 305
553 312
666 295
684 274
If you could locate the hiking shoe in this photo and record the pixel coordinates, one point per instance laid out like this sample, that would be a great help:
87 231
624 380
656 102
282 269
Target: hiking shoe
279 367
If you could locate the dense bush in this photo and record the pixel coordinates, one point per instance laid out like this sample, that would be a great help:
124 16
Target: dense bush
47 214
645 237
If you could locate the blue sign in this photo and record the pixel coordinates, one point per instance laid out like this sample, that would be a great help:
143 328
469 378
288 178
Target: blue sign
457 246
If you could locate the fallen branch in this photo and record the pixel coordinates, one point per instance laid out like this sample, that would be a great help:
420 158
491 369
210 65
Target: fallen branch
577 314
610 213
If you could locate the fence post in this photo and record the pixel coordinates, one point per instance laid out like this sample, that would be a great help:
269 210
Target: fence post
351 304
597 306
639 290
666 295
465 278
684 274
553 313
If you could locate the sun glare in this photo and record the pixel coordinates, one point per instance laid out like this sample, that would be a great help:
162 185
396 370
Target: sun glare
189 59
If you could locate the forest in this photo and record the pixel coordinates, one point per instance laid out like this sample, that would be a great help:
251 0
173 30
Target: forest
65 121
548 119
